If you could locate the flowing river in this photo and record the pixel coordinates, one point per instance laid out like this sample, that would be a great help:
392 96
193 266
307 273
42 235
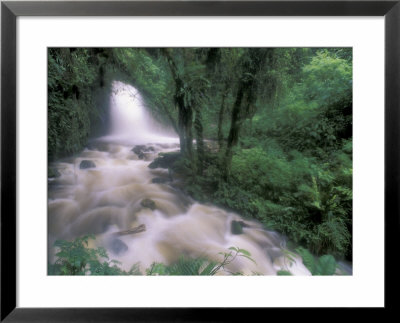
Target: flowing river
111 197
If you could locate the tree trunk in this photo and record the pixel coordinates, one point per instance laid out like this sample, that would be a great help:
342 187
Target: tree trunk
188 120
247 90
234 131
198 126
185 112
221 113
185 126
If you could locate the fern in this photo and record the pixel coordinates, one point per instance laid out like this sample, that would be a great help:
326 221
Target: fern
75 258
199 266
322 266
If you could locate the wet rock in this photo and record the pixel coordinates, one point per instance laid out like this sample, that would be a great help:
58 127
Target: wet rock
237 227
165 160
98 145
139 150
148 203
53 173
160 180
87 164
118 247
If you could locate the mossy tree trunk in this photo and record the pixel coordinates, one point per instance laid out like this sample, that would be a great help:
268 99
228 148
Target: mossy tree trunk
185 112
244 105
198 126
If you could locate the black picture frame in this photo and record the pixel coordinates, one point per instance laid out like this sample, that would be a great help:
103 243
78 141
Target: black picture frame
11 10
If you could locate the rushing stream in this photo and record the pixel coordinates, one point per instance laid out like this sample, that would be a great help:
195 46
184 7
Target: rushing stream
108 198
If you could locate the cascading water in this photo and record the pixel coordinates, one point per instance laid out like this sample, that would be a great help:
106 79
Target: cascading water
108 199
131 123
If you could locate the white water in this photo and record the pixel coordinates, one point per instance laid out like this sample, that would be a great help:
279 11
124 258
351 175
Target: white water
107 199
131 123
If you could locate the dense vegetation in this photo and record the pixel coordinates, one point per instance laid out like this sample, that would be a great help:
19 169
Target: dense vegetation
266 132
76 258
78 94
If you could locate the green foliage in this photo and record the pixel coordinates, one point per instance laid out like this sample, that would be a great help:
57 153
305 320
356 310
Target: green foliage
308 258
322 266
292 169
318 266
326 265
74 77
200 266
327 79
53 173
184 267
308 200
75 258
283 273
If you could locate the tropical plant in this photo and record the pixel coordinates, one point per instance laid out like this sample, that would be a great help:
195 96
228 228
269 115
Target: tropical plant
76 258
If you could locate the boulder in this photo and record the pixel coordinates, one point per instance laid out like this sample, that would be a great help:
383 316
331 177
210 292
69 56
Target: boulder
237 227
118 247
87 164
165 160
160 180
148 203
139 150
53 173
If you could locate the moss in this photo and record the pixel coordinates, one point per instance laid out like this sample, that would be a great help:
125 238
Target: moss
53 172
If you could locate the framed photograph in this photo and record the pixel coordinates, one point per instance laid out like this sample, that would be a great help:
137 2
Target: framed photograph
178 160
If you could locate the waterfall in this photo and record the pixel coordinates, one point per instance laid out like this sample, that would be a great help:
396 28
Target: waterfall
131 121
